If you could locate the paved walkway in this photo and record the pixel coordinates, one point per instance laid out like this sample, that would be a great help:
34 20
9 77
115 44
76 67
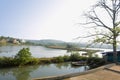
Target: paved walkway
100 75
116 68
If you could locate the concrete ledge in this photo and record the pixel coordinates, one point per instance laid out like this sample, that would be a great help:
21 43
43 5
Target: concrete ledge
113 70
61 77
109 65
108 68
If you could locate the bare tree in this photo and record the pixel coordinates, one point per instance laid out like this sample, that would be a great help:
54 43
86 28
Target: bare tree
105 17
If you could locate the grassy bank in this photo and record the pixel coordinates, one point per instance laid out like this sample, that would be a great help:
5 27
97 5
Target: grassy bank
12 62
23 57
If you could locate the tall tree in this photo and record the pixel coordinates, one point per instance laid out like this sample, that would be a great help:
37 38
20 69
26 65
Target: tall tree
105 18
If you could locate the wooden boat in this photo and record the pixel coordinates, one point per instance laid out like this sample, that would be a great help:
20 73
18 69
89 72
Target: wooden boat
79 63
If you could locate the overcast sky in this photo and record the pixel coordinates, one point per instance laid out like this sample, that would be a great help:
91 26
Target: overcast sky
42 19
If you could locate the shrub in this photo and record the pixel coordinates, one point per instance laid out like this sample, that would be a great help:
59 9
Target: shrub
34 61
7 62
23 56
95 62
75 57
44 60
58 59
66 58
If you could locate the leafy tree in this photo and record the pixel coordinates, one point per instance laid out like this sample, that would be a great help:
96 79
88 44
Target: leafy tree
104 17
75 56
23 56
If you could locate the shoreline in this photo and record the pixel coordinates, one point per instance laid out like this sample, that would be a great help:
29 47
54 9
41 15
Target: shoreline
61 77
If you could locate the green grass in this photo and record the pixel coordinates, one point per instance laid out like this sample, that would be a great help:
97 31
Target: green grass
12 62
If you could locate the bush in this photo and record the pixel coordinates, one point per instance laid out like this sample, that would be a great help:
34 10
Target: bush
23 56
95 62
44 60
34 61
66 58
58 59
75 57
7 62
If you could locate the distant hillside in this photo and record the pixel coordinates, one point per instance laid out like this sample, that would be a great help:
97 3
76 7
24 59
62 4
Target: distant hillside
91 45
62 44
49 42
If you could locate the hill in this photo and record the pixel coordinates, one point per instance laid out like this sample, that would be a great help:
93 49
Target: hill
49 43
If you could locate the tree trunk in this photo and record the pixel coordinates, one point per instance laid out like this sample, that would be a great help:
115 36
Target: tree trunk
114 34
114 51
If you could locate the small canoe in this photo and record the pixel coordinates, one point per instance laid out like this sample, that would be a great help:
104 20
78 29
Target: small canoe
79 63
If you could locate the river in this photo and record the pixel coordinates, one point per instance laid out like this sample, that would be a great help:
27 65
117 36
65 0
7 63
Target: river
40 51
37 51
36 71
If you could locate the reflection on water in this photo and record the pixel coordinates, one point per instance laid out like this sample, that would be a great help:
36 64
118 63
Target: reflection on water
22 73
60 65
36 71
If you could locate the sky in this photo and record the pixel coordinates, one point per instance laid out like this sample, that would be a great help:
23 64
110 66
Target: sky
43 19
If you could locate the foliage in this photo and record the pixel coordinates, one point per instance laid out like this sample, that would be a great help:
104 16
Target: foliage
33 61
23 56
58 59
75 56
45 60
66 58
94 62
7 62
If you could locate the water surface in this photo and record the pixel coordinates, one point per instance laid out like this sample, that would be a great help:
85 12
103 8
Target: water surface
37 51
38 71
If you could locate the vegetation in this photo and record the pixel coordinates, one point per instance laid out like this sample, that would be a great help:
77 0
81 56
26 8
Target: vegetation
94 62
75 56
23 57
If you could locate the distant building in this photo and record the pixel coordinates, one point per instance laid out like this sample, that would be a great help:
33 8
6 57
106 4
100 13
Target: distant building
23 41
15 41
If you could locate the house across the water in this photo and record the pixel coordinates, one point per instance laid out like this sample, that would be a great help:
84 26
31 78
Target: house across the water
108 56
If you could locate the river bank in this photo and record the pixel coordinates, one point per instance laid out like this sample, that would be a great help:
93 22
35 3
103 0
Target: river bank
106 72
13 62
24 57
36 67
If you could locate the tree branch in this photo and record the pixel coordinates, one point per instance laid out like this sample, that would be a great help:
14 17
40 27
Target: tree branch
102 3
118 6
101 21
92 35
